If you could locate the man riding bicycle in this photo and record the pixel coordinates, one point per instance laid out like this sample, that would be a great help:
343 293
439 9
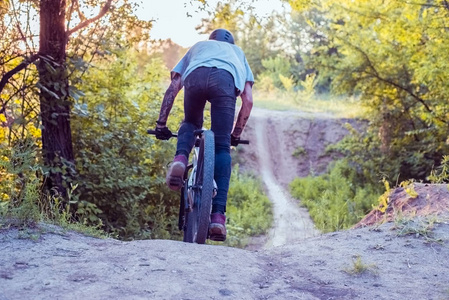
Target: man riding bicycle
217 71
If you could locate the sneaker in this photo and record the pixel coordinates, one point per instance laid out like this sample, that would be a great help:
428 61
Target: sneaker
175 174
217 227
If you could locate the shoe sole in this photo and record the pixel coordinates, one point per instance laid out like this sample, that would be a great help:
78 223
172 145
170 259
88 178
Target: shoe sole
216 233
218 238
174 180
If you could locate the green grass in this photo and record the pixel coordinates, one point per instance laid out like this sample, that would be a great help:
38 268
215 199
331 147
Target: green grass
337 106
249 211
418 226
333 200
359 267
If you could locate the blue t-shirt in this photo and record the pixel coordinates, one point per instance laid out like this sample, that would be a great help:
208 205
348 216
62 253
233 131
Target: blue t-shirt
221 55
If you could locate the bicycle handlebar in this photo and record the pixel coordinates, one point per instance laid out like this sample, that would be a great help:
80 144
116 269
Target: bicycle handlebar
153 132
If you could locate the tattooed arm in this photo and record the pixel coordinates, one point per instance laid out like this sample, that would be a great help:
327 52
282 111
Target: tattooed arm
169 98
245 110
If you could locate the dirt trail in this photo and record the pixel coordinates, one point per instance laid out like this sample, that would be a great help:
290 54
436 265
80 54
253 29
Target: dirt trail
291 223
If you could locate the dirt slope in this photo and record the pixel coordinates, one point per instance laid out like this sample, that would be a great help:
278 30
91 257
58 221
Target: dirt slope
403 260
285 133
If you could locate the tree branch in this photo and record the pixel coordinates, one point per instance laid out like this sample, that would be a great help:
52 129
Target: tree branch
80 13
85 23
16 70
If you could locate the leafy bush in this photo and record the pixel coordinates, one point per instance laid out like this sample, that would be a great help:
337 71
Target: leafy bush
121 170
19 182
276 68
335 200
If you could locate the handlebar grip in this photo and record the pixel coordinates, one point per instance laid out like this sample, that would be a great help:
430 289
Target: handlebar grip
246 142
153 132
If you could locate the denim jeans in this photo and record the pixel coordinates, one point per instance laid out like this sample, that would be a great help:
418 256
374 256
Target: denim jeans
217 87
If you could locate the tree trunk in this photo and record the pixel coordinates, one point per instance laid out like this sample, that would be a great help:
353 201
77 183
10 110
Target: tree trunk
54 101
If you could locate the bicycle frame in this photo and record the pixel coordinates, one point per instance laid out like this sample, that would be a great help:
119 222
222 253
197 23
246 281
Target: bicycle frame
189 182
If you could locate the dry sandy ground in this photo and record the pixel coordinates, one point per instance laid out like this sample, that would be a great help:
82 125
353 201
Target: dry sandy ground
66 265
396 260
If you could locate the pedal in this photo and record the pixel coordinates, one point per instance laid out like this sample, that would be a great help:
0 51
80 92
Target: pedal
176 181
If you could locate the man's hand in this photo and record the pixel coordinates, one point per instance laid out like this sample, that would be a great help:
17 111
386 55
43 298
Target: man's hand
234 140
163 133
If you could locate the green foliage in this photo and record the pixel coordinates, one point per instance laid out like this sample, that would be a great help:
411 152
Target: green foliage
336 200
22 201
308 88
287 82
299 151
20 122
248 210
305 38
276 68
121 170
19 182
441 173
385 54
259 39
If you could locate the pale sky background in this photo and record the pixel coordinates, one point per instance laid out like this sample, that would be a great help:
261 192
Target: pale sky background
171 20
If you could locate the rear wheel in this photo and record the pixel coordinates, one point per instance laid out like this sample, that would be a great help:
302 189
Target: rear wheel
204 180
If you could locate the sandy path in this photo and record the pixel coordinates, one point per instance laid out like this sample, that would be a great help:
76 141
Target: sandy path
291 222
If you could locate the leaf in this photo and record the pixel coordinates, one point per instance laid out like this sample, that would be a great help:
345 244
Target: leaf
75 93
46 90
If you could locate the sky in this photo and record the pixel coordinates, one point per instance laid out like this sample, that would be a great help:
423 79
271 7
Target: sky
171 20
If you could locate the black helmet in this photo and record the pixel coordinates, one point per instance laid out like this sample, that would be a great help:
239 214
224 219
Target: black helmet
222 35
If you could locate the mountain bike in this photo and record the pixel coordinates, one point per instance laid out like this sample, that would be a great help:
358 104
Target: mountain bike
198 188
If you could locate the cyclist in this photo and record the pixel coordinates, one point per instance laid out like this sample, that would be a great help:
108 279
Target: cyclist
215 70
